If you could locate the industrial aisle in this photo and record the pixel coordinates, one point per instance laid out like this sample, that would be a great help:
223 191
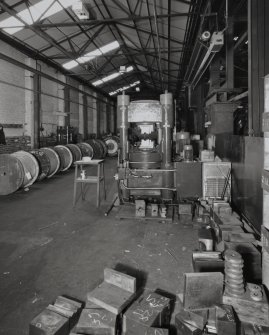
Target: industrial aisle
48 249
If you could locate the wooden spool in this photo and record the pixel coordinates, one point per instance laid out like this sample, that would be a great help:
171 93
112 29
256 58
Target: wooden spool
43 162
11 174
30 166
66 158
53 159
86 149
104 147
76 152
112 146
97 149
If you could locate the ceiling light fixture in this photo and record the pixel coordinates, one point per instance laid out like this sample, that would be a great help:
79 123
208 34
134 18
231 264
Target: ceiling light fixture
91 55
111 76
125 88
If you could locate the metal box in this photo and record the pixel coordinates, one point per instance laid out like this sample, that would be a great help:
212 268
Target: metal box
189 180
216 180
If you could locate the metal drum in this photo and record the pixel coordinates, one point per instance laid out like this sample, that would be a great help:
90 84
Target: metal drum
43 162
30 166
188 153
112 146
75 150
86 149
145 160
66 158
11 174
53 159
182 138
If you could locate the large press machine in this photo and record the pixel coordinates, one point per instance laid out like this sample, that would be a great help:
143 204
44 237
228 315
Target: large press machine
145 168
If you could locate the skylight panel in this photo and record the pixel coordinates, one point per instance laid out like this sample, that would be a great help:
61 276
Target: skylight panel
111 76
42 10
124 88
91 55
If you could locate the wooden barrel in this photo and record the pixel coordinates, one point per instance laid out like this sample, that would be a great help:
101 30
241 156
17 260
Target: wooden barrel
97 149
76 152
30 166
66 158
43 162
54 160
86 149
112 146
11 174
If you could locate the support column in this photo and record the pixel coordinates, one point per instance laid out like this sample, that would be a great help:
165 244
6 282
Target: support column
29 102
85 116
258 66
81 112
67 105
229 35
98 116
61 102
108 117
94 114
37 108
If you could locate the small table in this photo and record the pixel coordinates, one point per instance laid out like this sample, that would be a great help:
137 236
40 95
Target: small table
100 177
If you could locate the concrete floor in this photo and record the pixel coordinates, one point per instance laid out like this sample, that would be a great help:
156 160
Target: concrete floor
47 248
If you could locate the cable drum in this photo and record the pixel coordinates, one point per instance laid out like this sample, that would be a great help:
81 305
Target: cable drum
30 166
11 174
103 144
54 160
76 152
97 149
43 162
112 146
66 158
86 149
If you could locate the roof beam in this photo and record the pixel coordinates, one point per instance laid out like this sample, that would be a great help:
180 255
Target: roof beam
142 47
142 30
104 21
130 59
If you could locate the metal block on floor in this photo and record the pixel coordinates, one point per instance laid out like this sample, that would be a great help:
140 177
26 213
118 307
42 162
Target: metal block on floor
207 261
49 323
150 310
184 328
140 208
115 293
225 320
68 308
96 321
205 238
202 290
196 318
252 306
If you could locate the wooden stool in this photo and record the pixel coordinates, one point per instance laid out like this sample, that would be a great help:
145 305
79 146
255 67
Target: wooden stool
89 179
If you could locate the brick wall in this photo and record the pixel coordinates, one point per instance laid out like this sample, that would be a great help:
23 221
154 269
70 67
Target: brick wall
16 143
16 103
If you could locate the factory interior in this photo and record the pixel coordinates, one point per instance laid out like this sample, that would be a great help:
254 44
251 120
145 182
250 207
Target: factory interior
134 167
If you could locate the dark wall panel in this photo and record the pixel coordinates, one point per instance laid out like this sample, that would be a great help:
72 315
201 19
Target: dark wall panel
246 155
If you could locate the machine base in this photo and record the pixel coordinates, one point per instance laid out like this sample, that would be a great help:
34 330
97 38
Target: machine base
128 211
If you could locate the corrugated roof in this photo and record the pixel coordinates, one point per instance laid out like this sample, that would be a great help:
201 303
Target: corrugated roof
151 34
